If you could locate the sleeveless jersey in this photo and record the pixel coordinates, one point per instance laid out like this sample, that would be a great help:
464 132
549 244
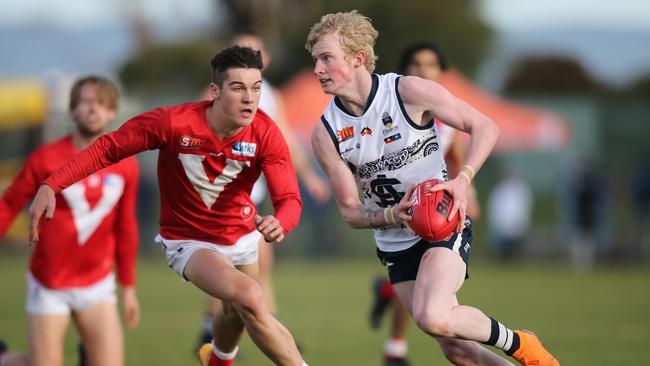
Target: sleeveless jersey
386 151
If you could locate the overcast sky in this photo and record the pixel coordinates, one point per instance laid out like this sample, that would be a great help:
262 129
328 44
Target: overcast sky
528 14
80 14
504 14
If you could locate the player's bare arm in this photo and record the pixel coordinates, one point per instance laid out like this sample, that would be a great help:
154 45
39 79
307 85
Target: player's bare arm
345 191
131 307
44 202
424 99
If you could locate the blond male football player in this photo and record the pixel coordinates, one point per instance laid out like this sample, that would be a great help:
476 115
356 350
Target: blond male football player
378 135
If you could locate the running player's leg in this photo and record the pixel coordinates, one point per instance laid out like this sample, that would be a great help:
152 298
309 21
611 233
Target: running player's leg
266 263
228 326
436 311
213 273
401 320
464 352
101 333
396 346
441 274
469 352
457 351
213 305
46 338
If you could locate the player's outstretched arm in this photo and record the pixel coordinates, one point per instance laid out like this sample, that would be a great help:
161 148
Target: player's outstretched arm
44 202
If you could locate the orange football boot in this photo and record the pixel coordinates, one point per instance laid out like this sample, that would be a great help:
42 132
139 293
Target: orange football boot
205 353
531 352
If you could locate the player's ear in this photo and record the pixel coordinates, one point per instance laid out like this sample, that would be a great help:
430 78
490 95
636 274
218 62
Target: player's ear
359 59
214 90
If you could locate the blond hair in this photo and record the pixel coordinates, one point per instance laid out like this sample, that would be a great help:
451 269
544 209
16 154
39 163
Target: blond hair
355 32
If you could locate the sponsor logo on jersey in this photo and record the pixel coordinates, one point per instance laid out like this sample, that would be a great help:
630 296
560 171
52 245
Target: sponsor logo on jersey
392 138
347 151
188 142
366 131
391 131
345 134
386 120
244 148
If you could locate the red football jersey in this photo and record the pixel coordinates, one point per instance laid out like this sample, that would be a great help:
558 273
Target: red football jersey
205 182
94 226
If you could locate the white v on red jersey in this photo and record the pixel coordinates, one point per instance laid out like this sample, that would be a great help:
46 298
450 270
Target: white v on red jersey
205 182
94 225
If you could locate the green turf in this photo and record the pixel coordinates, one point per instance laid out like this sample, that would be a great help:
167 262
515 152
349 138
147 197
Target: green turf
591 318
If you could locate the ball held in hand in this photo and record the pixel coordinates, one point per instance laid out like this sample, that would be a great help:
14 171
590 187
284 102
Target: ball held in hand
430 212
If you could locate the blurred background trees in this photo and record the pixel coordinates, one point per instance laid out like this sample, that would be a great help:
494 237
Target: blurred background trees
455 25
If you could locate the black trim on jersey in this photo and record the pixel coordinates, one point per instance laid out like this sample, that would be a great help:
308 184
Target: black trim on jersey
331 133
371 97
406 116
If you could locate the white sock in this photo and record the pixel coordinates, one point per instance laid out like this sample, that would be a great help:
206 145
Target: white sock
395 347
223 355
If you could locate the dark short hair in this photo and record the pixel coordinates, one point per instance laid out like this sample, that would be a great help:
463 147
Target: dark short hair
410 51
106 91
234 57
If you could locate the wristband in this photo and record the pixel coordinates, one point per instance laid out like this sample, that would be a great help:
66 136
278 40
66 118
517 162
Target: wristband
388 216
468 172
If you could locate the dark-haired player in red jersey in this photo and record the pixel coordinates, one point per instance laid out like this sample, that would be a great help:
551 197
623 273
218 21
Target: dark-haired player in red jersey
71 269
210 155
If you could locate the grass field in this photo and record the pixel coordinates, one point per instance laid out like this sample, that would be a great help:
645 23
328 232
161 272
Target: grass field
593 318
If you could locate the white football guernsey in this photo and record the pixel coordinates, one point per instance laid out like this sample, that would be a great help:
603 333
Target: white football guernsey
386 151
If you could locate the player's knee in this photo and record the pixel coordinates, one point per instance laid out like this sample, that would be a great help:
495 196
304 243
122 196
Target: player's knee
433 323
250 302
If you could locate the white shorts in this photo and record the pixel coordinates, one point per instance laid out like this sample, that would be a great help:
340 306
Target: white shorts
46 301
179 252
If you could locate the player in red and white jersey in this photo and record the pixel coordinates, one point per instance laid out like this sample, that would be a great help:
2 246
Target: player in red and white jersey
271 102
210 155
95 229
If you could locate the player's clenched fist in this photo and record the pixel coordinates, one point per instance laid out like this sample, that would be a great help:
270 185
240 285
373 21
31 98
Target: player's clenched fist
270 227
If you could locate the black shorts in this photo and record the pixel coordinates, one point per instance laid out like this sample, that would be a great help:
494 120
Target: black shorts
404 264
